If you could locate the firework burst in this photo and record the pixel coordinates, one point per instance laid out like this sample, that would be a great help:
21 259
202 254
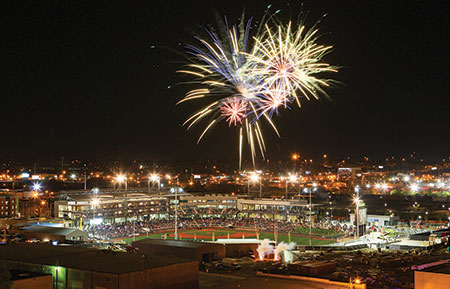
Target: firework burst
290 62
246 87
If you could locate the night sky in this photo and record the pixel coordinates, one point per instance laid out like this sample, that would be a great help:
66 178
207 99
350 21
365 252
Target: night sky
89 80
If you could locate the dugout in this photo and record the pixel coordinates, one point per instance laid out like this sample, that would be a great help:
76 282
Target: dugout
199 251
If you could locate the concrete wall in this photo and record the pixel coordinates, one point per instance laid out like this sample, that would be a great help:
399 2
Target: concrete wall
195 253
40 282
178 276
429 280
239 250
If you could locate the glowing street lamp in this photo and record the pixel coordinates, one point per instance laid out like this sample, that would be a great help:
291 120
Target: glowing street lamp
295 157
414 187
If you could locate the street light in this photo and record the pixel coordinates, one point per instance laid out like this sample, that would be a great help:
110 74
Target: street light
295 157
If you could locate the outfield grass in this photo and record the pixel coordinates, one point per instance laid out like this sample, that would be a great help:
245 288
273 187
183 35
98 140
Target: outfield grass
208 234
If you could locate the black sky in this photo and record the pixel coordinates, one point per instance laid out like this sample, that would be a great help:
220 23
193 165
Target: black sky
82 79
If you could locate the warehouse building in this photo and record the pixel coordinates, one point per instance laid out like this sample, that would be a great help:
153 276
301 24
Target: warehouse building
199 251
432 275
74 267
47 233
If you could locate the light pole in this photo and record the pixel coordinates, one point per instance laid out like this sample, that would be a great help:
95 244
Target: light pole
94 205
295 157
176 214
121 178
356 200
331 212
310 212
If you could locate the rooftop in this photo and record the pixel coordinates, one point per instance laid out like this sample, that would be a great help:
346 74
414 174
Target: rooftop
50 230
85 258
174 243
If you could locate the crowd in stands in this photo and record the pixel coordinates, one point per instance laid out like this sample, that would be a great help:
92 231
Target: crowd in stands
187 221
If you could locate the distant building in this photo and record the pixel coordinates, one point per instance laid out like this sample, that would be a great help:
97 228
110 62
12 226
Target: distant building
216 201
269 208
110 208
348 175
9 206
75 267
380 220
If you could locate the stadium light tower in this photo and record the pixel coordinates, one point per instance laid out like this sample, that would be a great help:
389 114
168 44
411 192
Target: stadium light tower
94 203
314 187
122 178
254 184
154 184
294 180
176 214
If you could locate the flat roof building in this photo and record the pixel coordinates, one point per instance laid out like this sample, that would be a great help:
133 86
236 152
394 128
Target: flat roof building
75 267
200 251
48 233
433 275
